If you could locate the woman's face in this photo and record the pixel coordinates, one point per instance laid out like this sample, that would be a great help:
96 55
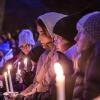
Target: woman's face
26 48
58 42
43 38
82 42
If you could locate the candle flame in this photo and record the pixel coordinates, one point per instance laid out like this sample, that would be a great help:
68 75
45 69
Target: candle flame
5 73
19 71
9 67
58 69
18 63
25 60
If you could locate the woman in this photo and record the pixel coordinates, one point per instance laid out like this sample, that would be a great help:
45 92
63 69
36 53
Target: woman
64 33
45 77
30 52
87 85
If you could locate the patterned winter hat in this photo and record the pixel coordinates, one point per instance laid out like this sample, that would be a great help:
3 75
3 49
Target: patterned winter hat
50 19
90 24
26 37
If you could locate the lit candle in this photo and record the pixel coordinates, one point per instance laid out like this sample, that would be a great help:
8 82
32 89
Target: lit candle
10 80
18 70
25 63
6 81
60 81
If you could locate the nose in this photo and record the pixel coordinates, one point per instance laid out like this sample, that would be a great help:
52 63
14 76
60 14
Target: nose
76 37
39 39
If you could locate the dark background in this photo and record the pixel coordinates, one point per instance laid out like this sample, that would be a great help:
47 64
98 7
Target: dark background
20 14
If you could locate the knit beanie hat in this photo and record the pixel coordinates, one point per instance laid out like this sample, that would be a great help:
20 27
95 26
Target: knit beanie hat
66 27
26 37
90 24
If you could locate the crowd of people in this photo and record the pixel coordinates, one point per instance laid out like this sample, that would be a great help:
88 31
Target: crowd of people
71 40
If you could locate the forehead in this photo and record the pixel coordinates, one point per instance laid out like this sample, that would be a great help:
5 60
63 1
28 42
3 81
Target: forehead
79 28
39 28
24 44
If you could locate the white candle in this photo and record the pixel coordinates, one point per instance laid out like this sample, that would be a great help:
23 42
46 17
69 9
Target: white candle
6 81
10 80
60 81
18 70
25 63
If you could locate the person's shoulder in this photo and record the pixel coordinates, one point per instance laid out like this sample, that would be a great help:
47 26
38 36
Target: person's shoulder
63 56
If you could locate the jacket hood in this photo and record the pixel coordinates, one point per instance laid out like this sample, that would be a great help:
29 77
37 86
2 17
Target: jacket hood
50 19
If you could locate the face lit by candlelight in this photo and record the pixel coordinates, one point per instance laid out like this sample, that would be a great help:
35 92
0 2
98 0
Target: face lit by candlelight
44 38
5 74
60 43
26 48
82 42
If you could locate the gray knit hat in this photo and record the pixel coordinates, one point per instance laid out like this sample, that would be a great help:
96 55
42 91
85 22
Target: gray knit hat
26 37
90 23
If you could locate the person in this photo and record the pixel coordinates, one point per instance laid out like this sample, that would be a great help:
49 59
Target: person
28 51
87 86
6 53
64 33
42 87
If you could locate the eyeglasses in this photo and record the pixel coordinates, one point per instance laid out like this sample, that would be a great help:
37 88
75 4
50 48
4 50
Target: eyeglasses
25 46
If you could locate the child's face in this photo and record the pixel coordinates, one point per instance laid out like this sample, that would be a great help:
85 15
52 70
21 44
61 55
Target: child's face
60 43
26 48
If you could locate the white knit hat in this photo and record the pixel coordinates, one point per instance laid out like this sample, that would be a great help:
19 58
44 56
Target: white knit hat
90 23
50 19
26 37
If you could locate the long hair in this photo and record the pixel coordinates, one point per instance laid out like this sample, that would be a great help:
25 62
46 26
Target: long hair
41 24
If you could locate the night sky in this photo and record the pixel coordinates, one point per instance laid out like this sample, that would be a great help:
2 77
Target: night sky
21 13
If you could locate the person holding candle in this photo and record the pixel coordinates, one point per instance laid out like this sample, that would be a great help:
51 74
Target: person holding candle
45 77
64 32
87 86
27 57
